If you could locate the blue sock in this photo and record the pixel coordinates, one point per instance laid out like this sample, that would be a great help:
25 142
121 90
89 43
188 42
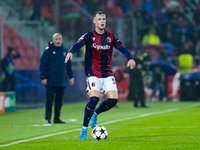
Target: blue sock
106 105
89 110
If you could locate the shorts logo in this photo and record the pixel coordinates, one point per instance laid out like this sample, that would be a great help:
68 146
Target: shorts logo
113 81
93 84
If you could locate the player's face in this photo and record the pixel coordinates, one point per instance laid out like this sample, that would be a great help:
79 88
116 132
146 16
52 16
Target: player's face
100 21
57 40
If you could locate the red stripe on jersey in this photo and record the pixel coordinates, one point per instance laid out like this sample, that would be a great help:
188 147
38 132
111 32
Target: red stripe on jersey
96 59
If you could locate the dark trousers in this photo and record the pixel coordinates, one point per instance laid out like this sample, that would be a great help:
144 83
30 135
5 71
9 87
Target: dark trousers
139 98
8 84
53 93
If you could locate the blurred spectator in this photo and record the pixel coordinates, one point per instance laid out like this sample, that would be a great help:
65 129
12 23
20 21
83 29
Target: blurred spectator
7 65
185 62
147 6
146 61
81 4
196 35
157 4
196 15
140 21
182 22
197 48
151 38
140 25
182 30
27 3
155 15
147 76
164 54
26 9
188 48
36 9
167 34
173 19
136 4
173 6
136 85
158 84
125 5
114 11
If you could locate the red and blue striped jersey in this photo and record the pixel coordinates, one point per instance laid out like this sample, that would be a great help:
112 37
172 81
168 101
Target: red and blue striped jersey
98 54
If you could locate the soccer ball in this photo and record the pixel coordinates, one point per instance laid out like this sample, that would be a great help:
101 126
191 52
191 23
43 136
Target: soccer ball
99 133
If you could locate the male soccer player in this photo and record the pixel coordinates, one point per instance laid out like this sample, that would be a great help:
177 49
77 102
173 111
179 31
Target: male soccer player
99 48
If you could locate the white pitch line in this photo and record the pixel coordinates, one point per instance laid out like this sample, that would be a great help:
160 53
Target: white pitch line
140 116
109 122
40 137
37 125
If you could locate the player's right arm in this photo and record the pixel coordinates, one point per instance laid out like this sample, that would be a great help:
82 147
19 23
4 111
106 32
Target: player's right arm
75 47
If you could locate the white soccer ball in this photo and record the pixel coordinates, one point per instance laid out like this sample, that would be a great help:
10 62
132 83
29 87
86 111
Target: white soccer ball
99 133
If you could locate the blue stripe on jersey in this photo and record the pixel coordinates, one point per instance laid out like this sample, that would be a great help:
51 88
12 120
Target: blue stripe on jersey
96 55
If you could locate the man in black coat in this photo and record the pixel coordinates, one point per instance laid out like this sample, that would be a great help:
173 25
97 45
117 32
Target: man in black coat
136 85
53 73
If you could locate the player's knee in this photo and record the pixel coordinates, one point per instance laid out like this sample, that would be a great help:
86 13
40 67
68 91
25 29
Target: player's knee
92 103
111 102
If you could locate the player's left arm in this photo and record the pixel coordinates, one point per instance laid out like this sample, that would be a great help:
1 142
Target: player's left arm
118 44
127 54
131 63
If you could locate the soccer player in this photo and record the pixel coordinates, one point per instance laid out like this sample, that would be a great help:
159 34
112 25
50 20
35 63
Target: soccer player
99 48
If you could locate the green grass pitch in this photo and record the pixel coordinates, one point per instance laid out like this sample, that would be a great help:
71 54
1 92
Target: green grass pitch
163 125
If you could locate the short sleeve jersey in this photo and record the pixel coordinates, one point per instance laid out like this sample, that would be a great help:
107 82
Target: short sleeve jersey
98 54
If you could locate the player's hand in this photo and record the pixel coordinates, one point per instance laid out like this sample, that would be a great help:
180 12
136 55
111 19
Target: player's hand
69 56
131 64
44 81
71 81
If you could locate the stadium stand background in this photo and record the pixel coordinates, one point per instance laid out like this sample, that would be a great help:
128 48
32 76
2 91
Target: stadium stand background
28 25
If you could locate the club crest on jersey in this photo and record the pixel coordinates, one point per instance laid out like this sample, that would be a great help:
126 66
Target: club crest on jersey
64 53
93 84
108 39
